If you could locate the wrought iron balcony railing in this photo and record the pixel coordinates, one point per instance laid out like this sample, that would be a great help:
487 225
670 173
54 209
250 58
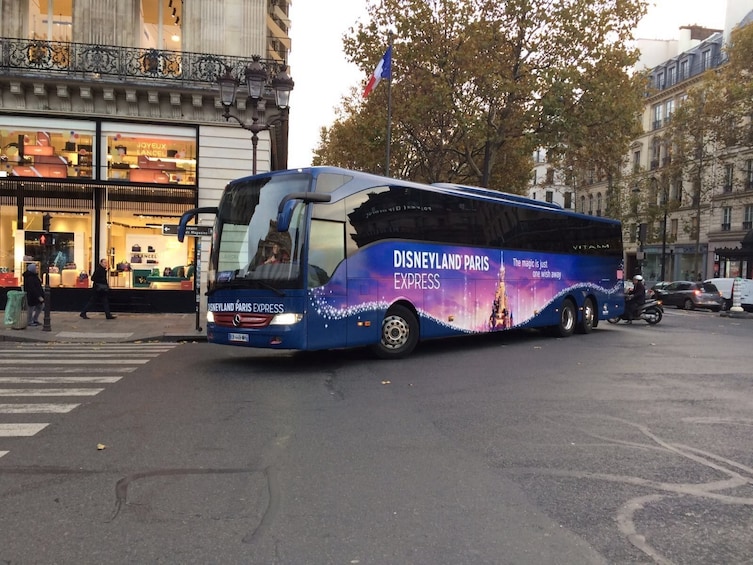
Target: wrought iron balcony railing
57 59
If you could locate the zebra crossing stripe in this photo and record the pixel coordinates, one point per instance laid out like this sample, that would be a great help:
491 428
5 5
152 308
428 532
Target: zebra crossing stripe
47 361
50 391
36 408
58 379
26 430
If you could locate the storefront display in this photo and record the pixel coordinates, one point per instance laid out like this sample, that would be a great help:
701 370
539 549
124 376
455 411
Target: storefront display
136 157
105 196
46 153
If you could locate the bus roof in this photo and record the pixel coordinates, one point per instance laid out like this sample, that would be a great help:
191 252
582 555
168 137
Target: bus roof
363 180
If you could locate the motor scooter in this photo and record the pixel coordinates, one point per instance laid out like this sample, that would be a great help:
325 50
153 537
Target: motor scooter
650 311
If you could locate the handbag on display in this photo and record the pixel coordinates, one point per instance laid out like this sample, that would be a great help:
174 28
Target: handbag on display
136 248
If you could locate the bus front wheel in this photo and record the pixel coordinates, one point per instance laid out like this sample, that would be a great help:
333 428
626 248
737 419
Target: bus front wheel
399 334
568 317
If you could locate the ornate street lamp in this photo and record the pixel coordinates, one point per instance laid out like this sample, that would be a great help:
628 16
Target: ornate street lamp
256 82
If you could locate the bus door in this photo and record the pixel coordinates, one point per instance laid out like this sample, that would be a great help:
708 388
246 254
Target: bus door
327 289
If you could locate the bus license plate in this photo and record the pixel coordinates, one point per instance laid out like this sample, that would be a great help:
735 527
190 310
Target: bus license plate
237 337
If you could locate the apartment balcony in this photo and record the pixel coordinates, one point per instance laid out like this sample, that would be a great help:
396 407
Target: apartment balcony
76 62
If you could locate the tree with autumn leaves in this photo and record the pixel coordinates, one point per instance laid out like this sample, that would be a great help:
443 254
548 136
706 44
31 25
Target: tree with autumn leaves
478 85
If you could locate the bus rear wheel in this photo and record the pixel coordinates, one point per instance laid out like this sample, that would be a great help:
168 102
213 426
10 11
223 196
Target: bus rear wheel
399 334
586 323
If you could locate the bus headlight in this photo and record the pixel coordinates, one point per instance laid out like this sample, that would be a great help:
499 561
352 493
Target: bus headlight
286 319
210 317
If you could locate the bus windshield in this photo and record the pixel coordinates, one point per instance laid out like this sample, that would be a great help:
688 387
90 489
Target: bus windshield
249 251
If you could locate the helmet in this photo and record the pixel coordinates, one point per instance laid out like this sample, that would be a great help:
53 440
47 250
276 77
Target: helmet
637 278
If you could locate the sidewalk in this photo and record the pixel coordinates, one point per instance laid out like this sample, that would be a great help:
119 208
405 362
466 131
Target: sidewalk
127 327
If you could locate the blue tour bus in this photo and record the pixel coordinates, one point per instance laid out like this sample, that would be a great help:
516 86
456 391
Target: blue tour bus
323 258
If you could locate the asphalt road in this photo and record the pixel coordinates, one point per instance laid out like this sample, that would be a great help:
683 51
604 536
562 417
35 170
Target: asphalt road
628 445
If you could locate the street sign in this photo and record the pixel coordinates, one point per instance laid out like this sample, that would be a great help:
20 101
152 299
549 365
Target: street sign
192 230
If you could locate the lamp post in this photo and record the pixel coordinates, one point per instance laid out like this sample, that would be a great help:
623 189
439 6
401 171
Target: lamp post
256 81
664 235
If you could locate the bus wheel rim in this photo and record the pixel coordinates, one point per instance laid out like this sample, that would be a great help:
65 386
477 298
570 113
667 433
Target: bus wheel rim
395 332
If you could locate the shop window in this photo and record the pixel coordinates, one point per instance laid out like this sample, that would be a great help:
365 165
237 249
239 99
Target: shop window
145 158
48 153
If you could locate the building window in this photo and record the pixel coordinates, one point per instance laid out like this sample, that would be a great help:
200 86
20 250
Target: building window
549 196
671 75
660 81
683 69
636 161
748 217
657 112
590 204
726 218
582 204
729 177
568 200
655 153
749 174
706 59
632 229
161 22
676 190
598 204
550 176
51 20
669 108
673 227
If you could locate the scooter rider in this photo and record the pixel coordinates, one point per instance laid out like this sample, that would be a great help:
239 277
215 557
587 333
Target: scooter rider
635 297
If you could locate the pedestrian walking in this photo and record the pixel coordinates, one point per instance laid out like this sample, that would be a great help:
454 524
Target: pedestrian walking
100 290
34 293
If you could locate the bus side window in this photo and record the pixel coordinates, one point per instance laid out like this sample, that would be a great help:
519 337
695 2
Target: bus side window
326 250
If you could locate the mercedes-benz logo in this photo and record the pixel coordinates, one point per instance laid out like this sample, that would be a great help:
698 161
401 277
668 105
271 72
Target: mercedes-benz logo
237 320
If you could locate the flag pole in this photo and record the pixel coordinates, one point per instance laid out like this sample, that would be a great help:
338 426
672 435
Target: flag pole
389 116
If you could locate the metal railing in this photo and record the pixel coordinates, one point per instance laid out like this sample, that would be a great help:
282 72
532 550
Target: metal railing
83 60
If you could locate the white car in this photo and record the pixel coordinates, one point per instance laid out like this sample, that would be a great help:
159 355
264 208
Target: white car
725 289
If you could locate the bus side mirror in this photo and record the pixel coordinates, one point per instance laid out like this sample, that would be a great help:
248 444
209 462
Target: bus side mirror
287 205
189 214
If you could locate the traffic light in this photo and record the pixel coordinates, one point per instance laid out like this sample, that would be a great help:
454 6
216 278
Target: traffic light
46 221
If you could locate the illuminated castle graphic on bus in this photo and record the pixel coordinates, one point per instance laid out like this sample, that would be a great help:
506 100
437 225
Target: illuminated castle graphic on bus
501 316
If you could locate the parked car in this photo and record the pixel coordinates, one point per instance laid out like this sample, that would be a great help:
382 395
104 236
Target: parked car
651 292
725 286
690 295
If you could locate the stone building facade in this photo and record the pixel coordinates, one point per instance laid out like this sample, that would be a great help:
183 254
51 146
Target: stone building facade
111 126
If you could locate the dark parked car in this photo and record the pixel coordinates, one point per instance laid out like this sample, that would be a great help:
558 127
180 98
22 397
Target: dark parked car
661 285
690 295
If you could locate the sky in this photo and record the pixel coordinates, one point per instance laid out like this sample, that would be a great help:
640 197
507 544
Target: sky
323 76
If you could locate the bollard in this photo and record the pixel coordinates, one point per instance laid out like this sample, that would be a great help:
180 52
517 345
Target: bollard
736 301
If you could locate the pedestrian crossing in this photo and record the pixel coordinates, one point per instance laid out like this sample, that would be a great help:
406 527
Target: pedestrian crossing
44 381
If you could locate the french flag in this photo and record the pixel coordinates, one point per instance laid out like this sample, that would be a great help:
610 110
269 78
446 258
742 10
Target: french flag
383 70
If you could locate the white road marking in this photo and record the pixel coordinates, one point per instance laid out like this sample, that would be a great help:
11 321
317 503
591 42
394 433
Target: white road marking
3 453
36 408
94 335
17 430
98 361
50 391
59 379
